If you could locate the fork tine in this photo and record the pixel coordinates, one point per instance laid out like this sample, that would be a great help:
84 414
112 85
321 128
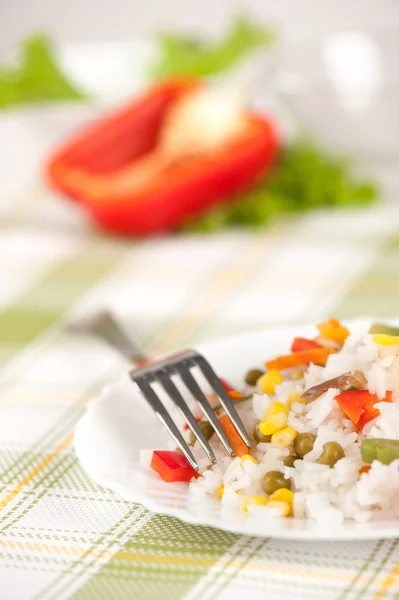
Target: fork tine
225 401
200 397
179 402
164 417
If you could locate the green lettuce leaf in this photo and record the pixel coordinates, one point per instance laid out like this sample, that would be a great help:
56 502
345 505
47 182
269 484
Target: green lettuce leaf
36 78
306 177
181 55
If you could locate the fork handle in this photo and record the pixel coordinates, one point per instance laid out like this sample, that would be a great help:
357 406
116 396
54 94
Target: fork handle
104 326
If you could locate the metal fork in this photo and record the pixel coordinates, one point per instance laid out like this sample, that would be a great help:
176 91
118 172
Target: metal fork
148 372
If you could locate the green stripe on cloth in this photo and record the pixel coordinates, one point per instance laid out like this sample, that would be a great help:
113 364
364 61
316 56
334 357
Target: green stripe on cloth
248 548
377 291
164 560
221 283
390 548
370 558
21 325
105 546
25 460
28 318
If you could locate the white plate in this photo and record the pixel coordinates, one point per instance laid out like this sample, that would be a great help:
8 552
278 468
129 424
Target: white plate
118 424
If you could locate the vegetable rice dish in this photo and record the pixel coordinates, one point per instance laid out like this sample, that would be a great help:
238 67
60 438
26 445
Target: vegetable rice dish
324 425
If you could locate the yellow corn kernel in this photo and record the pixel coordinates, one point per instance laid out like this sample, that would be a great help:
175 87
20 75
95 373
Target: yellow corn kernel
284 507
283 495
284 437
245 457
220 491
245 501
295 397
275 408
385 340
267 382
273 424
297 375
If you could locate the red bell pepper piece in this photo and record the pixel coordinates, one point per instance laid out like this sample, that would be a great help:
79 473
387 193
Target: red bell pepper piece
172 466
99 166
226 385
358 405
364 469
371 413
318 356
300 344
186 427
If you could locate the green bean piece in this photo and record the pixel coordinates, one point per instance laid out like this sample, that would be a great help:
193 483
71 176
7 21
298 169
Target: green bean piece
385 329
385 451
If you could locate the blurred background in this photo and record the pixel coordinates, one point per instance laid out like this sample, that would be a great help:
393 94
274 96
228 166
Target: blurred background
78 21
329 74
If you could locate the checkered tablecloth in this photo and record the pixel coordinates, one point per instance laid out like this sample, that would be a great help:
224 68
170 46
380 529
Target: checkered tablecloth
62 536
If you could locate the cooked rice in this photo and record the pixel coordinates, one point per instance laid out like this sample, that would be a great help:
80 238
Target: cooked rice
320 492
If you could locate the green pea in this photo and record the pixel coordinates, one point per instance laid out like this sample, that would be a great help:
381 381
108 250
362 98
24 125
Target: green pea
273 481
332 453
259 437
252 376
206 429
289 460
304 443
